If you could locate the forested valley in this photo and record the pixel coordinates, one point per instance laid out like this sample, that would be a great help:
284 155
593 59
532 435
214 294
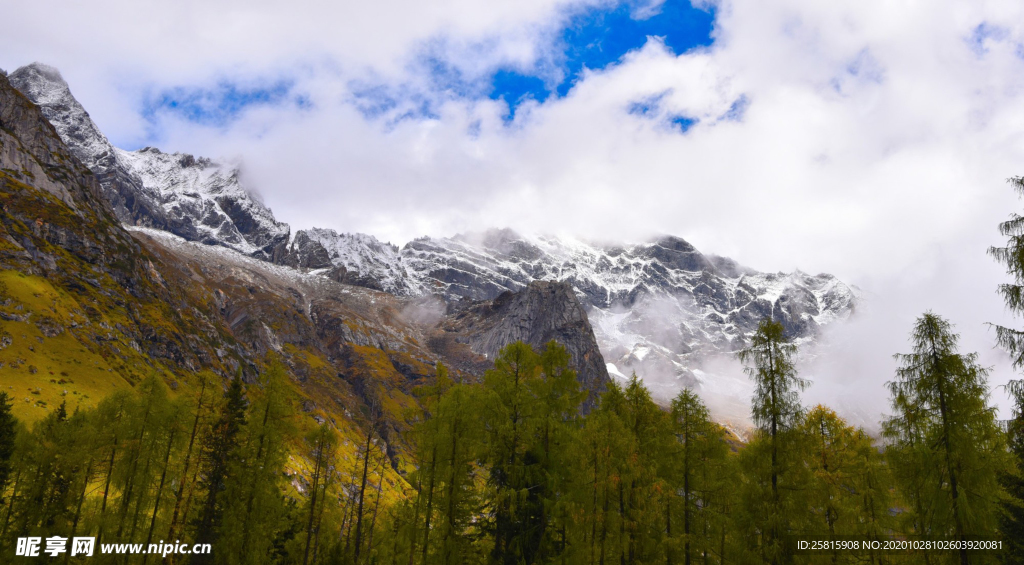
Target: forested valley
517 469
514 464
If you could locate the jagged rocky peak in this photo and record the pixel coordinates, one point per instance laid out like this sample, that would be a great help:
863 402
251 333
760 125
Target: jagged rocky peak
191 197
504 243
661 307
206 201
357 259
45 86
676 253
30 153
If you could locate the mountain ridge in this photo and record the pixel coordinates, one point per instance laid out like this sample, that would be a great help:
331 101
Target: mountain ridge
660 308
89 307
200 200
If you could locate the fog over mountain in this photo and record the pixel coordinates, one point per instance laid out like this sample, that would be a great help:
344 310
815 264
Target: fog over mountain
661 309
868 141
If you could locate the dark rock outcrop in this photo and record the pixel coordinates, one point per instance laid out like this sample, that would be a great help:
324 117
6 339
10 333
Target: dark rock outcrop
129 200
541 312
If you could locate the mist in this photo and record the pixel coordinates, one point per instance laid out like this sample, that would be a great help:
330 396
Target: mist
868 140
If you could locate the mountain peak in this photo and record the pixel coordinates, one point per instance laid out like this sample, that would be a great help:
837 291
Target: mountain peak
191 197
48 72
45 87
43 84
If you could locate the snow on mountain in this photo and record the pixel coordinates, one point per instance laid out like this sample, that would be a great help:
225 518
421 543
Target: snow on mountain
660 308
45 87
365 255
210 196
196 199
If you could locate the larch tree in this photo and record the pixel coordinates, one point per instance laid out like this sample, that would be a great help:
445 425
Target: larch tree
529 404
848 488
1011 522
941 415
514 468
252 497
695 459
322 443
456 500
607 444
775 482
8 435
218 454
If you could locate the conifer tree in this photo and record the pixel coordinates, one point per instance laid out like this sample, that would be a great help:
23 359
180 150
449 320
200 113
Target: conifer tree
831 458
19 472
456 499
696 460
111 432
941 416
872 483
514 474
771 456
148 424
429 435
606 444
641 490
252 500
529 404
53 474
1011 519
217 456
557 435
322 443
373 420
188 477
8 435
173 427
847 490
1011 522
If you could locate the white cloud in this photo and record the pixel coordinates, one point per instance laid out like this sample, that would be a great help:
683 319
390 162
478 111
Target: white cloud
875 143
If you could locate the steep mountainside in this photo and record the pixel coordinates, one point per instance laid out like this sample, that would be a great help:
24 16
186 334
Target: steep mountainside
88 307
194 198
660 308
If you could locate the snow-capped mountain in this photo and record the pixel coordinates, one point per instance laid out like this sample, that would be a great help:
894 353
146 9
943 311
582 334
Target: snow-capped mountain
354 259
209 198
660 308
196 199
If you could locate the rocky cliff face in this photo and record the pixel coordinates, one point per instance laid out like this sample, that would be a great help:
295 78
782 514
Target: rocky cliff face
48 192
127 197
196 199
67 263
540 312
88 307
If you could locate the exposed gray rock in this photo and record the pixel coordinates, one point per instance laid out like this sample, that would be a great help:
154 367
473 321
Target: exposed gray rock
659 308
196 199
540 312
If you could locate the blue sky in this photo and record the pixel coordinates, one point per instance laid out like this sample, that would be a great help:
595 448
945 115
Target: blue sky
591 38
221 104
867 139
597 37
